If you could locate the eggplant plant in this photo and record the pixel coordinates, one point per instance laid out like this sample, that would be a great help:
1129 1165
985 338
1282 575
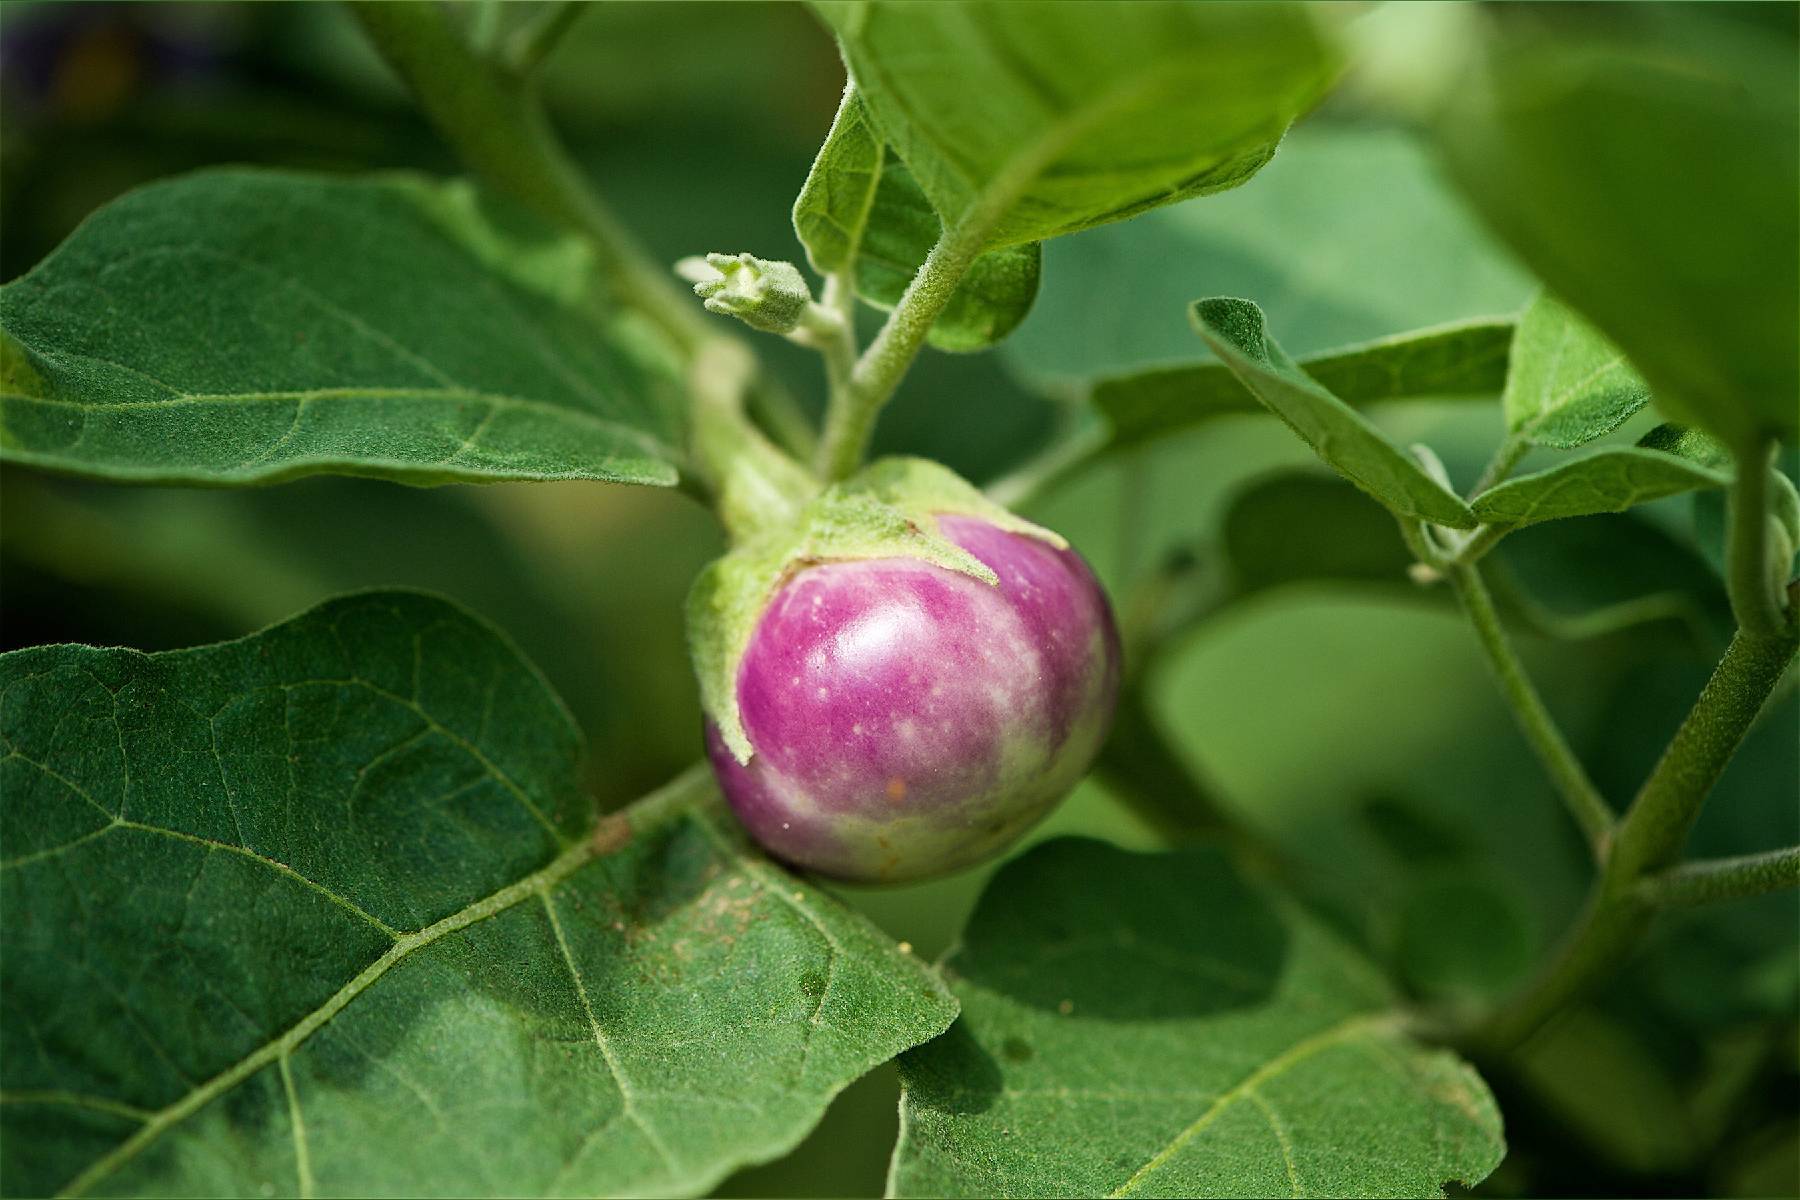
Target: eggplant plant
354 902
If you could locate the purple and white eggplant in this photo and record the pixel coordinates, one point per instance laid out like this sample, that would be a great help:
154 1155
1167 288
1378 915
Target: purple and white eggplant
905 682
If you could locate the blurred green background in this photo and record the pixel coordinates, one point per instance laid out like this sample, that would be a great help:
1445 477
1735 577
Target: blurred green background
1351 721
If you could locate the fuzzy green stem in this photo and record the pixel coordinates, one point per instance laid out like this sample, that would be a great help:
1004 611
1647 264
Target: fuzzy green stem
854 407
532 44
492 119
1657 825
1710 880
1651 833
1579 795
1500 466
755 486
1749 578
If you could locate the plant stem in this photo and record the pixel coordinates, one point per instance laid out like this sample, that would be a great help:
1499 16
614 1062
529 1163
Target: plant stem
494 122
1749 578
492 119
1578 792
1500 466
1650 834
1715 879
1667 805
531 45
754 484
854 407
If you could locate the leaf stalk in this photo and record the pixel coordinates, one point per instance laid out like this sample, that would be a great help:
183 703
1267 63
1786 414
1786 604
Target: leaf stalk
1579 795
1710 880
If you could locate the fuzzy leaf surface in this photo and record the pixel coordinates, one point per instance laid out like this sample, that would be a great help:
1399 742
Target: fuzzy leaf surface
1566 384
1462 361
861 211
1609 480
1157 1025
325 911
239 326
1065 115
1342 437
1650 184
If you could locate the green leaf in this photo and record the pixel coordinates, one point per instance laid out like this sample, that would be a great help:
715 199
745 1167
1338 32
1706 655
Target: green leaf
1609 480
1157 1025
862 212
1342 437
1111 303
1566 384
1650 184
1465 360
246 326
325 910
1049 118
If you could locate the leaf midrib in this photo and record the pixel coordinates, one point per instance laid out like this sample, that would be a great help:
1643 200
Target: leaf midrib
672 800
1345 1030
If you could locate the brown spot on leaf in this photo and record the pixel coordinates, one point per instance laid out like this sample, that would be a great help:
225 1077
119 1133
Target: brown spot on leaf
612 833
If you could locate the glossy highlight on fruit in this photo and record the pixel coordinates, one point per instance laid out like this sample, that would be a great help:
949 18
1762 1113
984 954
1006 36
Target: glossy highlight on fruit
906 719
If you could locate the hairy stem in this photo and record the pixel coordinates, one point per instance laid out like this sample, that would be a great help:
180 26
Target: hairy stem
491 117
854 407
1749 577
1714 879
754 485
532 44
494 122
1500 466
1651 833
1579 795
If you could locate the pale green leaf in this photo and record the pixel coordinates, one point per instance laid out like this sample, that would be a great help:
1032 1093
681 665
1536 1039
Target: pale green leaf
1157 1025
324 910
1051 117
242 326
1651 184
861 212
1609 480
1462 361
1113 300
1566 384
1341 436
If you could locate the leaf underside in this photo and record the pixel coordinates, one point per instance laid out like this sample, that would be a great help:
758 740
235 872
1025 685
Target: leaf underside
324 910
1343 438
1088 112
1609 480
1155 1025
1462 361
862 212
240 326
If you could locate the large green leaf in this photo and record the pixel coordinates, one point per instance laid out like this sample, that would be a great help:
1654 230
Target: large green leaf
1341 436
1609 480
1651 183
1156 1025
324 910
1566 384
248 326
1115 298
862 213
1465 360
1052 117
